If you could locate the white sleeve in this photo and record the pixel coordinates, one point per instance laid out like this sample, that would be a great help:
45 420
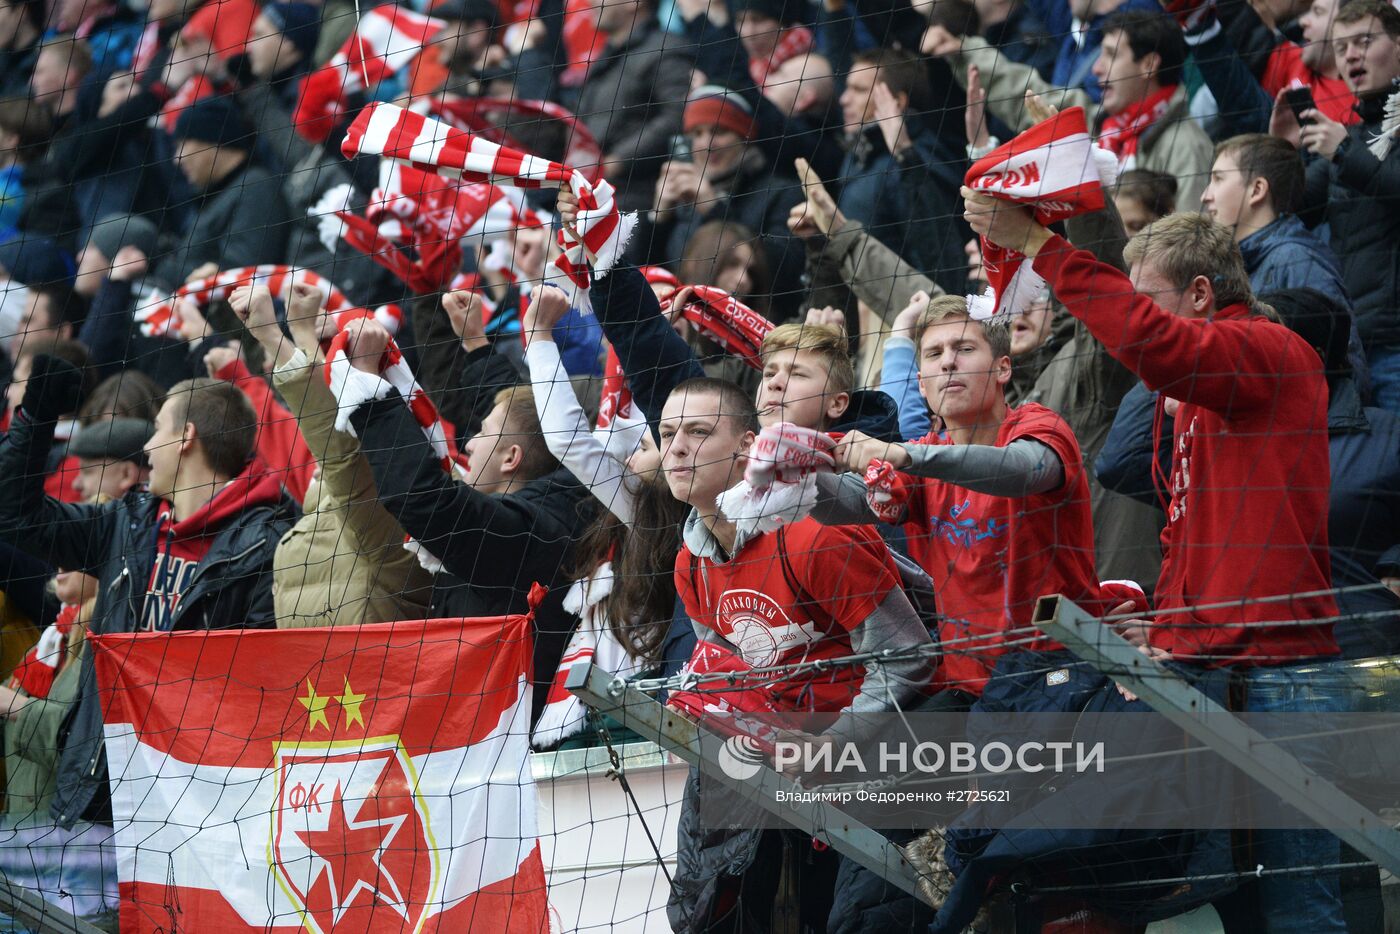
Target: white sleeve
568 434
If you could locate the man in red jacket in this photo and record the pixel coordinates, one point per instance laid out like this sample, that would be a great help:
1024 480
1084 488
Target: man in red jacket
1246 538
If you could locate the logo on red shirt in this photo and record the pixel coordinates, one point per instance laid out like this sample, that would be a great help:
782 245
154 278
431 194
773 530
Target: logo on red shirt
965 530
760 628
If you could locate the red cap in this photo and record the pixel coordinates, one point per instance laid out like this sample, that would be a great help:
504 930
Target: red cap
726 112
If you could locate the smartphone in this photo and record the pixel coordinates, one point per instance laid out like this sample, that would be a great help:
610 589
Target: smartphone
1299 99
680 149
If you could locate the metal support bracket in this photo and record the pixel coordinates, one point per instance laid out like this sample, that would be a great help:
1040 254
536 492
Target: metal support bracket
1243 747
31 910
679 734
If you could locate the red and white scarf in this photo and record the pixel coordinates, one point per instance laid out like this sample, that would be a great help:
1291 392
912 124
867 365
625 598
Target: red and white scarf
593 641
488 117
416 220
36 671
391 132
792 42
1121 132
727 321
1055 169
387 38
353 387
161 318
779 485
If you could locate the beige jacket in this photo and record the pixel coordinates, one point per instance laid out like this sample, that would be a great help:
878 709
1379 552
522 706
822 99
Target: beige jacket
344 562
1175 145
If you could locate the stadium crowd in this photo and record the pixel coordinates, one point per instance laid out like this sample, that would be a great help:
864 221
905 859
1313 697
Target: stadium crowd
778 413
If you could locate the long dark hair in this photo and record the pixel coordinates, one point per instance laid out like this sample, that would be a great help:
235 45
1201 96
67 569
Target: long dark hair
643 558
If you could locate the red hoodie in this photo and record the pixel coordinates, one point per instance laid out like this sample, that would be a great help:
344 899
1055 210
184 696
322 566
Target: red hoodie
182 545
1250 467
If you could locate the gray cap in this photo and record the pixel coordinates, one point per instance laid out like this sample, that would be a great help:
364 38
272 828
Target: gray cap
117 439
115 231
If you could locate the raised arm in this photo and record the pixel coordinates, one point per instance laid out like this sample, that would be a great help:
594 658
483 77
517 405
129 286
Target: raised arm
899 376
876 274
567 431
1227 365
1007 83
68 535
478 537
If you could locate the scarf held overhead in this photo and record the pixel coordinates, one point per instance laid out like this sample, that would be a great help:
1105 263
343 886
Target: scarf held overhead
391 132
162 317
1055 169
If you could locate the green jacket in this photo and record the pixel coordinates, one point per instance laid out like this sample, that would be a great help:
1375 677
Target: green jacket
32 747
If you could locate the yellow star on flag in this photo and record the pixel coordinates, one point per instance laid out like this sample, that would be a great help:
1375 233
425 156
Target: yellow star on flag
316 706
351 702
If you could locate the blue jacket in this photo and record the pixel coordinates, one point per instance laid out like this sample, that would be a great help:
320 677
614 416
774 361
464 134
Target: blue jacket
1286 255
1363 508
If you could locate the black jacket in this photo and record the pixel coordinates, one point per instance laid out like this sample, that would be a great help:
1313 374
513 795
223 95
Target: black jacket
498 546
116 543
759 199
1358 196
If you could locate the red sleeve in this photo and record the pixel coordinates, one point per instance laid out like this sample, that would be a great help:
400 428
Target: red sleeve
1229 365
280 443
846 569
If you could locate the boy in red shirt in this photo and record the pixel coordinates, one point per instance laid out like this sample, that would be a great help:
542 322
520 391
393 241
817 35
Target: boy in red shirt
1247 520
997 507
801 593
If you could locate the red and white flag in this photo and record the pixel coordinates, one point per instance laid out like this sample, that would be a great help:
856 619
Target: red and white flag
358 779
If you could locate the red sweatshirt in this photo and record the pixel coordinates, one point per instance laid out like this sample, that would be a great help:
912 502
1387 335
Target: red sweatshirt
834 580
1250 466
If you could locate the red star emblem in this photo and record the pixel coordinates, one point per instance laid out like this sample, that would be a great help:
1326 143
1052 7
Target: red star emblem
353 851
351 844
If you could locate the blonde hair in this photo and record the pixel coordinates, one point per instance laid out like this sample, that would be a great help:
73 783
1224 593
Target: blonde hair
1186 245
940 309
824 340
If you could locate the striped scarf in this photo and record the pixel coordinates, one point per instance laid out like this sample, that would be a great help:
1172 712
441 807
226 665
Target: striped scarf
391 132
162 317
792 42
